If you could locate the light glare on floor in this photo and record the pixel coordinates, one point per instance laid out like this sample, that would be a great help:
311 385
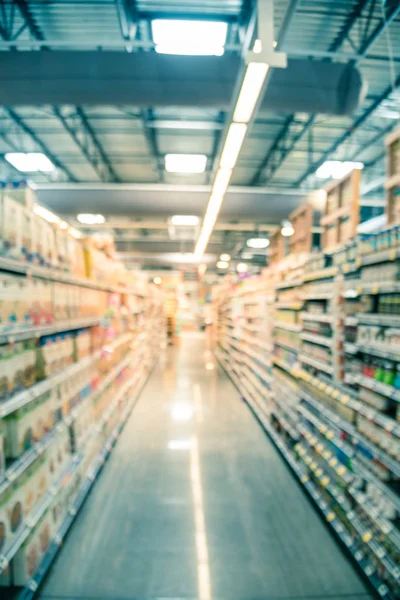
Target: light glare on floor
184 444
182 411
189 37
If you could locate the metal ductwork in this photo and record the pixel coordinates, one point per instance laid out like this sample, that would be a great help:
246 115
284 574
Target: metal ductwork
146 79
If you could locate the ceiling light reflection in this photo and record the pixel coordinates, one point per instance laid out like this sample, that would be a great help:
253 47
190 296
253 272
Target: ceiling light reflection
182 411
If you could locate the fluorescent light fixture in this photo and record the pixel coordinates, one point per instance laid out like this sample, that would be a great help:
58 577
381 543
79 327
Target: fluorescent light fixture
225 257
184 220
258 243
250 91
221 184
190 37
157 280
247 255
180 444
46 214
233 143
185 163
30 162
90 219
222 264
287 229
241 268
336 169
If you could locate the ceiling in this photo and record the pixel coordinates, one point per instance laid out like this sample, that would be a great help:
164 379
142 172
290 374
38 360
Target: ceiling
110 158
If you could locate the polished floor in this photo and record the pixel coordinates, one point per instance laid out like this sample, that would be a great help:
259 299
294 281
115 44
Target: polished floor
196 503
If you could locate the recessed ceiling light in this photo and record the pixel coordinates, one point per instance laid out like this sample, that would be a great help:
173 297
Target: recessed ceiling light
157 280
29 162
258 243
225 257
185 163
241 268
190 37
222 264
91 219
184 220
336 169
287 229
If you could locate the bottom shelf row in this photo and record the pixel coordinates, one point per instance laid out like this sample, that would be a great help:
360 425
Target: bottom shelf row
337 491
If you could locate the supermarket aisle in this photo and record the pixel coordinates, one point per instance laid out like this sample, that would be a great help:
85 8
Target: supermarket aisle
195 502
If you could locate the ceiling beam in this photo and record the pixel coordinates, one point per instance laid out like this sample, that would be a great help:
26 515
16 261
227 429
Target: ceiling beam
151 138
77 126
38 142
125 224
283 145
128 19
26 13
349 131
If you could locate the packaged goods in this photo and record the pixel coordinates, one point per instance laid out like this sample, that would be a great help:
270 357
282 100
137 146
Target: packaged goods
83 344
28 425
28 557
12 228
14 302
61 244
17 367
58 454
2 459
19 499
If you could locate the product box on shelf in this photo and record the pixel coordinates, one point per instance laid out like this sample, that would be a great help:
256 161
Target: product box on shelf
28 425
17 367
76 258
40 302
62 300
2 457
28 557
39 240
58 454
83 344
11 242
14 302
61 244
20 498
55 353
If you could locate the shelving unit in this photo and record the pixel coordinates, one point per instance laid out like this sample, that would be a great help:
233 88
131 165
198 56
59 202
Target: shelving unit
75 353
336 421
392 184
342 211
304 240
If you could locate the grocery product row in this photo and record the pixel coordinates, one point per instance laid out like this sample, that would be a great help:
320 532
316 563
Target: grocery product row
78 337
329 389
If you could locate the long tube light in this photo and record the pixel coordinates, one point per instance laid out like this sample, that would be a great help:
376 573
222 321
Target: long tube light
250 91
251 88
221 183
233 143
